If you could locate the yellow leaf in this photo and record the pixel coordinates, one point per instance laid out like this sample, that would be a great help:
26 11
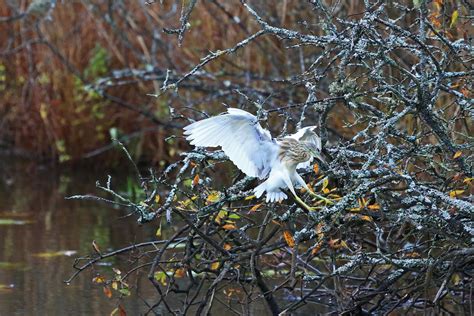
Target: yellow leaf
213 197
196 180
157 198
107 292
98 279
290 241
326 191
455 193
229 226
316 168
457 154
325 183
158 231
220 216
255 207
250 197
115 285
215 265
468 180
454 18
227 247
456 278
374 207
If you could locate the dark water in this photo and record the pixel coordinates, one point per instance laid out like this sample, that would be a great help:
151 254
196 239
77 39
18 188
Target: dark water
39 229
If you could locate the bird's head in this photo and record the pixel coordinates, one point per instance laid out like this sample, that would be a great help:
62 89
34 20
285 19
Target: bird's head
312 148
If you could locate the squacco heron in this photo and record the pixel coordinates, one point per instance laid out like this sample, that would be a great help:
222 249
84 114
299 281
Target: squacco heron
253 150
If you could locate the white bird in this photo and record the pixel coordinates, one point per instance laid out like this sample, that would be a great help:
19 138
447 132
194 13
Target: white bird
253 150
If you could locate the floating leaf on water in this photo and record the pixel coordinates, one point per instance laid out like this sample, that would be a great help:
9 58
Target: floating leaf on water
13 265
11 221
52 254
290 241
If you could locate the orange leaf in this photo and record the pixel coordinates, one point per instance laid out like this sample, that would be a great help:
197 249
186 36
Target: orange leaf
229 226
227 247
179 273
457 154
366 218
373 207
122 311
255 207
107 292
290 241
317 248
337 243
316 168
196 180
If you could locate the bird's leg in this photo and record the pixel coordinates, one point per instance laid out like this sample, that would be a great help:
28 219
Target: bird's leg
311 192
302 203
289 183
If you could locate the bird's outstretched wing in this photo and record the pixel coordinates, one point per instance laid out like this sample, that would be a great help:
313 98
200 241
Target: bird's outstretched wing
307 134
249 146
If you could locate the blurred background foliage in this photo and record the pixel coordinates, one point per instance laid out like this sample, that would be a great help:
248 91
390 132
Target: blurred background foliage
74 72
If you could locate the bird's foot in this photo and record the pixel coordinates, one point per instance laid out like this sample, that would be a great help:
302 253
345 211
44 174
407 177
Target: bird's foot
320 197
306 206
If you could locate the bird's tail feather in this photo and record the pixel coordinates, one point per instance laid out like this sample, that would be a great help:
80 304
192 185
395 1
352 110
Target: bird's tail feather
272 196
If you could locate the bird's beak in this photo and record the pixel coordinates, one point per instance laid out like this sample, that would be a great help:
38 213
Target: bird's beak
316 155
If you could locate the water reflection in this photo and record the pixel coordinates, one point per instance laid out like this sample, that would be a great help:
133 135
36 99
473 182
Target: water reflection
39 229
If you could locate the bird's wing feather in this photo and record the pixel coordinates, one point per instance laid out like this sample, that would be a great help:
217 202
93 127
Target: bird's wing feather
244 141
